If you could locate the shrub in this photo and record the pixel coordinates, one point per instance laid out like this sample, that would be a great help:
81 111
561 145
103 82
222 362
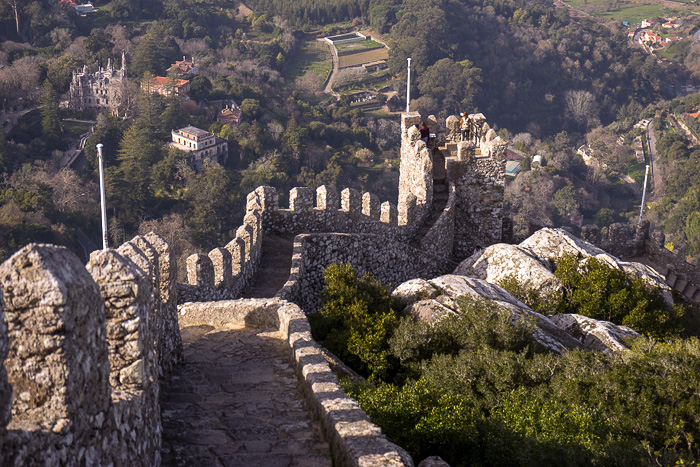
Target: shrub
596 290
356 320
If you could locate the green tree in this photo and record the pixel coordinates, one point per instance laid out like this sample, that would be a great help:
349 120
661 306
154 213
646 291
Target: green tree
453 84
211 196
60 71
50 118
594 289
131 188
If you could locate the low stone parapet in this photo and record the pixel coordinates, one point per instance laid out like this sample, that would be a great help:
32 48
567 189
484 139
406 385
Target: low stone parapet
355 441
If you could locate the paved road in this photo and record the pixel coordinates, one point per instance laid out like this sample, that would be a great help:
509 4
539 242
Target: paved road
236 402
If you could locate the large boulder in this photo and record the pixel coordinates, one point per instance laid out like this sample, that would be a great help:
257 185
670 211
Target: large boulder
502 261
532 262
431 300
603 336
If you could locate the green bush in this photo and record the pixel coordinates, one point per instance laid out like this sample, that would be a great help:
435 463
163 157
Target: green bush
475 390
356 320
594 289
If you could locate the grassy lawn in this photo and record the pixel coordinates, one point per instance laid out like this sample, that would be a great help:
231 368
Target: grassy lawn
632 11
635 14
636 171
312 57
73 130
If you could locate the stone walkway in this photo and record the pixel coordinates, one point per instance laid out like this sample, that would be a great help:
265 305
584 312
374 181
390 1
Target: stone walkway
235 402
274 269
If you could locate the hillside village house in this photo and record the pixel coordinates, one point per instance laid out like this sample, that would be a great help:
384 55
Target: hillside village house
200 144
231 114
166 86
651 36
184 67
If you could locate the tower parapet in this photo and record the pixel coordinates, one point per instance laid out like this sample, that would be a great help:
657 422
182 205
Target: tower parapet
472 165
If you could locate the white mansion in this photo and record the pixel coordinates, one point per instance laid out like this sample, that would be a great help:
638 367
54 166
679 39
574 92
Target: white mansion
201 145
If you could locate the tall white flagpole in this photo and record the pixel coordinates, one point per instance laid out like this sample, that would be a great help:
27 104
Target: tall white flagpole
103 204
408 87
644 193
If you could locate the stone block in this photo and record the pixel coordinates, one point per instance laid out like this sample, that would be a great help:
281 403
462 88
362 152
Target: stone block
389 214
200 271
351 202
57 361
327 198
371 205
221 261
301 199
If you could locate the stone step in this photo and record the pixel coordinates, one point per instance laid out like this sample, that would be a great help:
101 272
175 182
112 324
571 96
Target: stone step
689 291
696 296
680 285
671 279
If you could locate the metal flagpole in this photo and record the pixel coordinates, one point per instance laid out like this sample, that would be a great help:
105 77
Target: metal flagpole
644 193
103 204
408 87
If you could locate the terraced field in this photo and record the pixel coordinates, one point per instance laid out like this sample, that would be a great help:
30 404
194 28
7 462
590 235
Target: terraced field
363 56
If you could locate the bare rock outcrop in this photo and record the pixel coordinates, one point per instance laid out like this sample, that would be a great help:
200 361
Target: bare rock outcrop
433 299
532 262
594 334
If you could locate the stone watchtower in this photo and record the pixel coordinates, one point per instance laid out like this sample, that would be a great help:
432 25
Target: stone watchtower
451 190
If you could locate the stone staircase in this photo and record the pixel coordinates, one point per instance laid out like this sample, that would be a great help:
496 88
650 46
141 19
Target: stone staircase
440 197
689 290
275 265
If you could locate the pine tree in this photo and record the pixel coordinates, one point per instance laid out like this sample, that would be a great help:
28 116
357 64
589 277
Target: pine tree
50 119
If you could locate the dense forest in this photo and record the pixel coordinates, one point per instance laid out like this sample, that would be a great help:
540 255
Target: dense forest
525 64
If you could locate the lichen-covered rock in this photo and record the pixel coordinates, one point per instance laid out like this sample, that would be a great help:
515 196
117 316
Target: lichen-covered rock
501 261
603 336
415 290
451 287
554 243
433 461
532 262
429 310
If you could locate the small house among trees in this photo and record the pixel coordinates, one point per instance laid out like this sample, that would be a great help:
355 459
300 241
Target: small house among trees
200 144
166 86
184 67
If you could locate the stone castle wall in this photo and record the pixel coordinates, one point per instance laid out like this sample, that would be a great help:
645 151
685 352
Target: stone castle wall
325 211
635 241
225 272
440 239
415 175
389 262
479 185
79 384
354 439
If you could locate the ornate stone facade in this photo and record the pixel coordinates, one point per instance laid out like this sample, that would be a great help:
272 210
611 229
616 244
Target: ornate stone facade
99 91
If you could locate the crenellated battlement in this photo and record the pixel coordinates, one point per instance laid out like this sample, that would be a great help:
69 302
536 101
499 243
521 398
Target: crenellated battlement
325 211
225 272
82 349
